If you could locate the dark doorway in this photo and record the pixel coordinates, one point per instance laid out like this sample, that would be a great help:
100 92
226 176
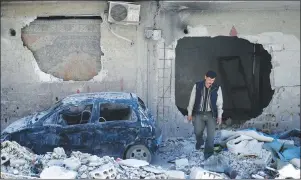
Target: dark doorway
243 70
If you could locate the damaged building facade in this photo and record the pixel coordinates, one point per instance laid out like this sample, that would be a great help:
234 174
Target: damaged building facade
52 49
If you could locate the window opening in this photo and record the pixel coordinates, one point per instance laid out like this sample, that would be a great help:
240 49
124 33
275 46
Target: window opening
76 114
116 112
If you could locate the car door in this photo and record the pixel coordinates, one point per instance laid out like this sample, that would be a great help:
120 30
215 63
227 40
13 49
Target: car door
113 133
45 136
77 132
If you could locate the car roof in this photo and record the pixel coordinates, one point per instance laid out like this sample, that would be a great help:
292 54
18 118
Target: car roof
100 96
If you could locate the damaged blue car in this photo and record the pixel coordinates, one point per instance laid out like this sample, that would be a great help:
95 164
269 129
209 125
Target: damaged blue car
113 124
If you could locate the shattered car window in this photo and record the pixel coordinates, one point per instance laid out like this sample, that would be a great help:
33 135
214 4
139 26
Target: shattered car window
51 120
75 114
116 111
49 110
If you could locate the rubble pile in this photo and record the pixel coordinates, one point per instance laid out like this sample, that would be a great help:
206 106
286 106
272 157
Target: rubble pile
252 156
175 149
16 159
21 163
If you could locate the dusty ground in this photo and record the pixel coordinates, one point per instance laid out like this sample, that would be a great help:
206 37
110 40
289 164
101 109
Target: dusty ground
185 148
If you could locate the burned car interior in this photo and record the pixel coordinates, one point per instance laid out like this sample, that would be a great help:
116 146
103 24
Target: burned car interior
76 114
115 112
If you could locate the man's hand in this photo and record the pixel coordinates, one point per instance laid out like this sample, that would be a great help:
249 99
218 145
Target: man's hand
219 121
189 118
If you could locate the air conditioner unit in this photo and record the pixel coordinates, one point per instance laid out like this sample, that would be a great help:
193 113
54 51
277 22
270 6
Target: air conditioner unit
124 13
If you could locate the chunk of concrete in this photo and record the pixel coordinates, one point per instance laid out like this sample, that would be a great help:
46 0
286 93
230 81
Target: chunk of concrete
95 161
72 163
16 172
245 145
133 163
56 172
4 158
58 153
181 163
17 162
200 173
153 170
256 135
106 171
265 160
175 174
83 168
296 162
55 162
196 173
289 171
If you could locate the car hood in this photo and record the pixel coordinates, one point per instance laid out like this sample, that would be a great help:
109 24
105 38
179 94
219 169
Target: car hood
21 123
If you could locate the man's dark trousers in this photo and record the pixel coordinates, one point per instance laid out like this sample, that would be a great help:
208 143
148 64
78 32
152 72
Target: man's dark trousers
200 121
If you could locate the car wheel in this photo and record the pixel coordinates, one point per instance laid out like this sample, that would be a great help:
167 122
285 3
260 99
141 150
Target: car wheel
139 152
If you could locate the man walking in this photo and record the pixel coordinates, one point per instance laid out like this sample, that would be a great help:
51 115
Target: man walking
206 107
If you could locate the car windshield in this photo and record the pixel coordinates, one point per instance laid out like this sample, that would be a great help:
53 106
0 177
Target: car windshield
49 110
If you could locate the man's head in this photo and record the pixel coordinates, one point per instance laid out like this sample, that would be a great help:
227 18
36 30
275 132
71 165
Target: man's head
210 78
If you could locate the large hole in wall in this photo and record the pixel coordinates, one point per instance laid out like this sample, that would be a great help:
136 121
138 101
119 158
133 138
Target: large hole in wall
243 71
66 47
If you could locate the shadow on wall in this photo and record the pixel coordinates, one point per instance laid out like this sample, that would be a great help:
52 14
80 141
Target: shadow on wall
242 68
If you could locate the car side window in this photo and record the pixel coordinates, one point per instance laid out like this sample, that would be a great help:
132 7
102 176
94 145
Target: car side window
116 112
51 120
75 114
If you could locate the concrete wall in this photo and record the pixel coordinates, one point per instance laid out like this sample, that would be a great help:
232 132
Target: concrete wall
137 67
68 49
25 88
278 32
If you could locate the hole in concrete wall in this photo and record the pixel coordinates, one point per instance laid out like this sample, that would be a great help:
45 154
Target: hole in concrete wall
12 32
243 71
185 31
66 47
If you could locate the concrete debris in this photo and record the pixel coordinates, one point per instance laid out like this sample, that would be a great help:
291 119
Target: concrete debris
57 172
153 170
289 171
56 165
175 159
245 145
182 163
200 173
176 174
4 158
173 149
106 171
72 163
296 162
256 135
17 159
265 160
59 153
133 163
